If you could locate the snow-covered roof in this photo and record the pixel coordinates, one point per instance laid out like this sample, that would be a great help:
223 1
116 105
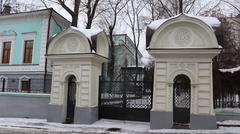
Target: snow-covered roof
88 32
211 21
81 41
230 70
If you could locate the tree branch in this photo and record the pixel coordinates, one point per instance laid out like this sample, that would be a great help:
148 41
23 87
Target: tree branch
62 3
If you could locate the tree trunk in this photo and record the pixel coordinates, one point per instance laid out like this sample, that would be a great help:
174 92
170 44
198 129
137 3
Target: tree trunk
91 13
75 13
180 6
111 64
74 21
136 56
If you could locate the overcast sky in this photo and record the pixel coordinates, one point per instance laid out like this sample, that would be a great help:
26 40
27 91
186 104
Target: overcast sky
123 29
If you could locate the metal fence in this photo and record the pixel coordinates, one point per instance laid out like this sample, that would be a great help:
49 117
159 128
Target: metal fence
226 89
25 85
129 97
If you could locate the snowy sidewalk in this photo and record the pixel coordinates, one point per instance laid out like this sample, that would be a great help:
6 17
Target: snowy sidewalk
41 126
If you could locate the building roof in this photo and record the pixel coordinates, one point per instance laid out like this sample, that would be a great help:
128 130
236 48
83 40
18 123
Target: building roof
155 25
76 40
126 38
211 21
35 12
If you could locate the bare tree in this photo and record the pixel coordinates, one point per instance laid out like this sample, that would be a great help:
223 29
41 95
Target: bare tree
89 7
19 6
233 5
133 12
74 13
74 8
65 5
167 8
109 21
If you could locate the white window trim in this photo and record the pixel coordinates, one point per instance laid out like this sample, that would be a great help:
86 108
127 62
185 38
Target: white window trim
27 36
3 39
6 80
24 77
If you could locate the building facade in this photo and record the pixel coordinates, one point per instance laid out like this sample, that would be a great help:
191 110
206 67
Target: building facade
23 45
124 54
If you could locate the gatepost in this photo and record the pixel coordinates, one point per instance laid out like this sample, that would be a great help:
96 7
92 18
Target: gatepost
183 48
77 61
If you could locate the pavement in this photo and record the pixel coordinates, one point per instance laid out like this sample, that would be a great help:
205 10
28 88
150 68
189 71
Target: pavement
103 126
41 126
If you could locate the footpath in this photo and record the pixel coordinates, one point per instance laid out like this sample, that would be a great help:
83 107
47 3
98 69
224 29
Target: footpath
104 126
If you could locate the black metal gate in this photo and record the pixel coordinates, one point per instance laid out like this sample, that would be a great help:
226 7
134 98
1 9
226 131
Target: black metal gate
71 99
127 98
181 100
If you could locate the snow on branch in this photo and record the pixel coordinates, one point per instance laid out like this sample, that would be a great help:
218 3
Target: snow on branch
231 70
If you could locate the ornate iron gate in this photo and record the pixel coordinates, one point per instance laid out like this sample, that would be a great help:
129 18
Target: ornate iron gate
181 100
71 99
127 98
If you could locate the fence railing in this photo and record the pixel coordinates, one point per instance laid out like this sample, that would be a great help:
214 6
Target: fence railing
25 85
226 89
26 91
231 101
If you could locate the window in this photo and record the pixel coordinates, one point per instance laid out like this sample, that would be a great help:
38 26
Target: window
26 85
6 52
28 48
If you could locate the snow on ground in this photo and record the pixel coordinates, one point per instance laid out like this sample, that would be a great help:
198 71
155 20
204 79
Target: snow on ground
229 122
227 110
222 130
101 126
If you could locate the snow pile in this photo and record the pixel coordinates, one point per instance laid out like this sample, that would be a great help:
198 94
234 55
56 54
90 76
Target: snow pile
230 70
88 32
229 122
227 110
155 24
211 21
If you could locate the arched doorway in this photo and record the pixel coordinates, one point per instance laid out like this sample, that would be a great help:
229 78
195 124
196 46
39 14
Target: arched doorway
71 99
181 101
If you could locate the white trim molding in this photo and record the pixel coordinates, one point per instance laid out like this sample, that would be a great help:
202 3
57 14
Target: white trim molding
8 38
24 77
28 36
